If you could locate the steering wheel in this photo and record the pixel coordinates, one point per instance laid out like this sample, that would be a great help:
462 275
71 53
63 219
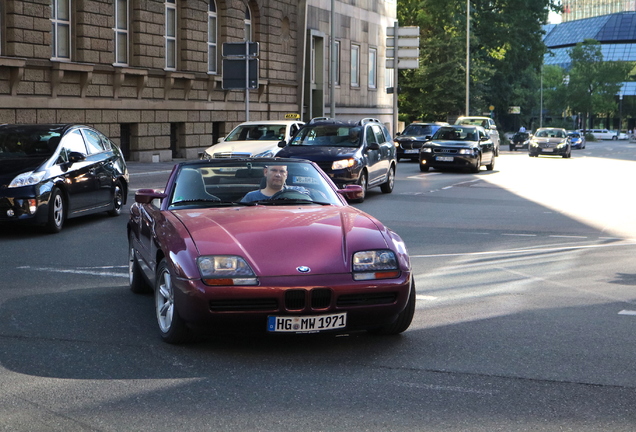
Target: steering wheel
290 194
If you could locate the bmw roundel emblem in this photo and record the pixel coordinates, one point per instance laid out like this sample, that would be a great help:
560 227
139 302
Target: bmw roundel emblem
303 269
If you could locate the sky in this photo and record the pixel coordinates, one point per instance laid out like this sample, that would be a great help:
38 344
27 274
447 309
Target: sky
554 18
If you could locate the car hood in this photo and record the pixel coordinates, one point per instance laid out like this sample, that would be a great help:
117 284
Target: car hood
317 153
276 240
251 147
554 140
10 168
412 138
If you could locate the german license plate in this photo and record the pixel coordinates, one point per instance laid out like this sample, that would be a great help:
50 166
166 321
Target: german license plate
548 150
306 324
444 158
411 151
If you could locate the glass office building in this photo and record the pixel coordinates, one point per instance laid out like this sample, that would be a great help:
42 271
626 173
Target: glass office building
580 9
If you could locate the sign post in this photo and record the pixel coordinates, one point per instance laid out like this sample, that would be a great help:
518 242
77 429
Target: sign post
404 54
240 69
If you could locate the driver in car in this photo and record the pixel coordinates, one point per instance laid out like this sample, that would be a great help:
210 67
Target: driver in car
275 177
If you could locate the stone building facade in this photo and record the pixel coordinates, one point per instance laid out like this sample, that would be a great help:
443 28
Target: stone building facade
148 73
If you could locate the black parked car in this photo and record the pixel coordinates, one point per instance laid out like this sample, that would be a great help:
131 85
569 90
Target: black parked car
51 172
458 147
349 152
410 141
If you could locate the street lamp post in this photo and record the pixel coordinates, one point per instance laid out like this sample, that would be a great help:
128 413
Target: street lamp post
467 57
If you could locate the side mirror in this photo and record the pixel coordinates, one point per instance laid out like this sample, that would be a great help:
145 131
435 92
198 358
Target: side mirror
397 134
220 140
282 143
351 192
74 157
429 137
373 146
145 196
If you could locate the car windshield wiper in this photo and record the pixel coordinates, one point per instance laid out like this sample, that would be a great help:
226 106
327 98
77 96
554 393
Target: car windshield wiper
287 201
216 202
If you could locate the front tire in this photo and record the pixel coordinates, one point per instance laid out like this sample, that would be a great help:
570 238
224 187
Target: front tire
172 328
363 181
403 320
118 200
57 212
390 181
491 165
477 166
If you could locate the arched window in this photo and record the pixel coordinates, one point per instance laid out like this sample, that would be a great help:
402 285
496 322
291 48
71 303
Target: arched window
212 38
248 24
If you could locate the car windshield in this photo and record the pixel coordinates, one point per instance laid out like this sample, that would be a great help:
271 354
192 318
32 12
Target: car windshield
475 122
226 183
574 135
28 142
521 136
550 133
419 130
456 133
265 132
331 135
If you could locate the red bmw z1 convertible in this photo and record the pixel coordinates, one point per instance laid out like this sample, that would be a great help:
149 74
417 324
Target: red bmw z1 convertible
266 245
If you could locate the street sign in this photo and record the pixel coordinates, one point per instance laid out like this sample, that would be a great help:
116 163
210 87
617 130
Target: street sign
403 53
237 49
408 31
234 74
404 42
403 63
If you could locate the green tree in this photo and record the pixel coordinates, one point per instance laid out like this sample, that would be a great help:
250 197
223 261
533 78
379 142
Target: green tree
506 51
593 83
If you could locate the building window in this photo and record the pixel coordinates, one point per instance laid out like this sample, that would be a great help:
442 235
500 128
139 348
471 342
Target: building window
337 54
171 34
373 68
248 24
212 38
313 60
61 29
121 32
355 65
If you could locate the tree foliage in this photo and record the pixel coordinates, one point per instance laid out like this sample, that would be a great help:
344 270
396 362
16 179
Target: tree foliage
506 51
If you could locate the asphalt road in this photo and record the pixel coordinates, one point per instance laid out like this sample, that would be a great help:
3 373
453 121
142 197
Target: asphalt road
525 320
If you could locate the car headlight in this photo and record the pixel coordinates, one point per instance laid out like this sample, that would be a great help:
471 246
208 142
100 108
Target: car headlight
396 143
265 154
206 156
226 270
465 151
375 264
427 150
343 164
27 179
562 144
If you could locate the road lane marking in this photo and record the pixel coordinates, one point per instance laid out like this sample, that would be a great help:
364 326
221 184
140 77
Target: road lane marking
542 249
86 271
627 312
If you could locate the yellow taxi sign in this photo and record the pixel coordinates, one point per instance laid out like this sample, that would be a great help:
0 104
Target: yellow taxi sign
292 116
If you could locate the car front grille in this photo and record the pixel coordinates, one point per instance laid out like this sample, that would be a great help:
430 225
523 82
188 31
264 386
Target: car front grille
319 298
228 155
366 299
409 145
445 150
232 305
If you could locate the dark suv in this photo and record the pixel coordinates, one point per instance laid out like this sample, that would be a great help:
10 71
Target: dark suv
349 152
410 141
